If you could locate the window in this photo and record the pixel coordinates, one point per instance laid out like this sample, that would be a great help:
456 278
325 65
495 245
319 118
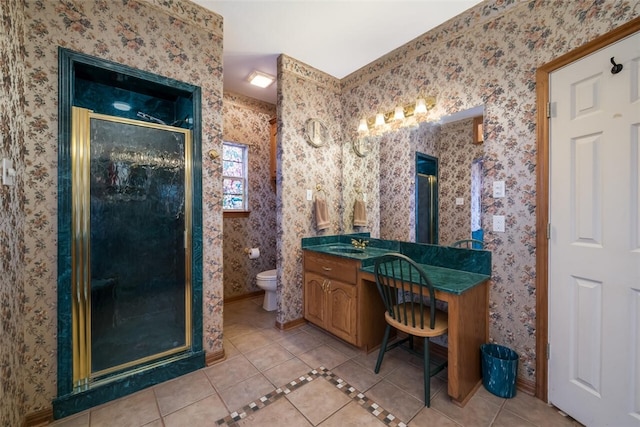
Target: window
234 177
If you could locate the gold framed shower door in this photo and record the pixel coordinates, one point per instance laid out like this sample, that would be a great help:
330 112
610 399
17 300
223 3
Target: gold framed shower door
146 157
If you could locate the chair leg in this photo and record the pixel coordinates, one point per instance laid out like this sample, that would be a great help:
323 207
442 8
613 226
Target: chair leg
427 373
383 347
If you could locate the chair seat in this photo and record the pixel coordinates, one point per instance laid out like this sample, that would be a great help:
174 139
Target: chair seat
440 328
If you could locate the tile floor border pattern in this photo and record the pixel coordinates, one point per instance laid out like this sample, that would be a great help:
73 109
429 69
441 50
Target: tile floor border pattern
372 407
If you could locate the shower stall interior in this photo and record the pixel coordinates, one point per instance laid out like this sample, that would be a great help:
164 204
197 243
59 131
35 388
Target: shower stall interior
426 199
129 288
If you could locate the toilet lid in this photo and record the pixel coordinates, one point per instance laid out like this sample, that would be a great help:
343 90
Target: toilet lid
267 275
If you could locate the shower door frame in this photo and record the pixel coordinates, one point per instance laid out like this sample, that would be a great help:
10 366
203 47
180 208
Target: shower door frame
433 162
84 375
69 399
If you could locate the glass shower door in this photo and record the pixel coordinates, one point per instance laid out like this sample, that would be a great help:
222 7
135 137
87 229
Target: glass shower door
427 207
131 246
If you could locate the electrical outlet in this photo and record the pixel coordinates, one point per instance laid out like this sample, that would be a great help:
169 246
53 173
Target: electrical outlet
459 201
498 189
498 223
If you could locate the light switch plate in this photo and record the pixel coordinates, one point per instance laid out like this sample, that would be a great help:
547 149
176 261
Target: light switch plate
309 195
498 223
498 189
364 197
8 173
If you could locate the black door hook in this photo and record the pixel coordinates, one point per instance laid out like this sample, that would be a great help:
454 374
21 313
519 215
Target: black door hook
616 67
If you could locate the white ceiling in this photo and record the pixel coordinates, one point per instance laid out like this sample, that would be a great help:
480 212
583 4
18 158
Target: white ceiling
336 37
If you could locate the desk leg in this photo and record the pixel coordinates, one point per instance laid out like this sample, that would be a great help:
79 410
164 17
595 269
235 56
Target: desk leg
468 330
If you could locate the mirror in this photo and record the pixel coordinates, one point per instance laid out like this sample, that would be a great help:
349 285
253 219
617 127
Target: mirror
459 173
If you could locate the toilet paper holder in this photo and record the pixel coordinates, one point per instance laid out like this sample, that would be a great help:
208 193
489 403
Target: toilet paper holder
253 253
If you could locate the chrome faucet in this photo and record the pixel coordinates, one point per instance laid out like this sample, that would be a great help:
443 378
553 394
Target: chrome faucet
359 243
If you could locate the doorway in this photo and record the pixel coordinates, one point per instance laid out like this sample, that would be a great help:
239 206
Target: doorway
426 199
595 230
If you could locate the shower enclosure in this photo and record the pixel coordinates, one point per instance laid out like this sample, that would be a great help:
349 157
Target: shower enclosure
131 196
426 199
129 232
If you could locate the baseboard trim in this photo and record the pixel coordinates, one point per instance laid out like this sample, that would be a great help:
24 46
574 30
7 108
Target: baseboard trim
526 386
290 325
211 358
38 418
250 295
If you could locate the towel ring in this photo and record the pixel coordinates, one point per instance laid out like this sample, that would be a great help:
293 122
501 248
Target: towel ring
319 189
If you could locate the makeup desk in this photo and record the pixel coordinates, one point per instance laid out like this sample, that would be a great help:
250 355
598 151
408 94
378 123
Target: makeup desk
460 277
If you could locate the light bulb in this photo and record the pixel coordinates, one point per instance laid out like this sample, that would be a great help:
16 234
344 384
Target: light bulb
399 113
421 106
379 119
362 127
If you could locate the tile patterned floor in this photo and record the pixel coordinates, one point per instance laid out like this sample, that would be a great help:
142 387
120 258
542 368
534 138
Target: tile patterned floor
305 377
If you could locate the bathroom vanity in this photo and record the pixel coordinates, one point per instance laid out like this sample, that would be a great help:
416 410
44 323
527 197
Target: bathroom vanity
340 296
337 301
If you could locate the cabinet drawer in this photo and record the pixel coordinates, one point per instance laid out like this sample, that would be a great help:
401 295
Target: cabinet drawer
331 266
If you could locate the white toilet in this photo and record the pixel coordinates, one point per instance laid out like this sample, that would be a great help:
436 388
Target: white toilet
267 281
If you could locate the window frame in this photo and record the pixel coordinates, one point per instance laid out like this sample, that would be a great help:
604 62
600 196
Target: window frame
244 210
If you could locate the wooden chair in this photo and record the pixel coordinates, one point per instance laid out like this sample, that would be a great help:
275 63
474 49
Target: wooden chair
468 243
409 301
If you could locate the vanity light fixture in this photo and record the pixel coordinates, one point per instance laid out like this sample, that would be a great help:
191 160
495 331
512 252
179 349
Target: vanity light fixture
260 79
400 113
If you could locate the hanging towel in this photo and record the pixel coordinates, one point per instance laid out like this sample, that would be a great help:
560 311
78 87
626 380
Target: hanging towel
359 214
322 213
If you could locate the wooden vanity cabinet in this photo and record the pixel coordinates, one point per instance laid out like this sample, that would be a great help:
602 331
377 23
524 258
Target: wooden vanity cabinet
336 300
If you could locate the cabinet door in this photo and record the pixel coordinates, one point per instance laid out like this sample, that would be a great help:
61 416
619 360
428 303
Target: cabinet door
315 298
342 310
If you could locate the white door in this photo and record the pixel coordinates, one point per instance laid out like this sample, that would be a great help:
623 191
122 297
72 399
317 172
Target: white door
594 251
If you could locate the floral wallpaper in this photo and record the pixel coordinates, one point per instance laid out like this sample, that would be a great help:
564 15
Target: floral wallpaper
12 204
397 177
173 38
449 142
304 93
246 120
485 56
456 154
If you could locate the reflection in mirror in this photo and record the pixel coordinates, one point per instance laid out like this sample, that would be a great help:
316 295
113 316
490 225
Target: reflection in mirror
426 199
451 142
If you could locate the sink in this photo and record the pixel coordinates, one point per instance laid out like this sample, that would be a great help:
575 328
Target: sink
345 250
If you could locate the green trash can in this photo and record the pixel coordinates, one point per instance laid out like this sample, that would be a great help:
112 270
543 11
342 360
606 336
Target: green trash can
499 369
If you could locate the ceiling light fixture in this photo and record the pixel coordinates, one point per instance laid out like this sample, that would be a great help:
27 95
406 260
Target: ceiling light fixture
260 79
122 106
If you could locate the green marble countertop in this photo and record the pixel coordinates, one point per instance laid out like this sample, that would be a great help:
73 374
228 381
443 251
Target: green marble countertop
447 279
451 270
345 250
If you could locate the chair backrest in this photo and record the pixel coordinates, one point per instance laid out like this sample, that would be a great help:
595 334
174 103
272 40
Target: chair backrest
468 243
401 280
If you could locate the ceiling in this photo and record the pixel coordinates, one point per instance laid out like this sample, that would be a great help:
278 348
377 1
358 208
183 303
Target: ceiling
336 37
